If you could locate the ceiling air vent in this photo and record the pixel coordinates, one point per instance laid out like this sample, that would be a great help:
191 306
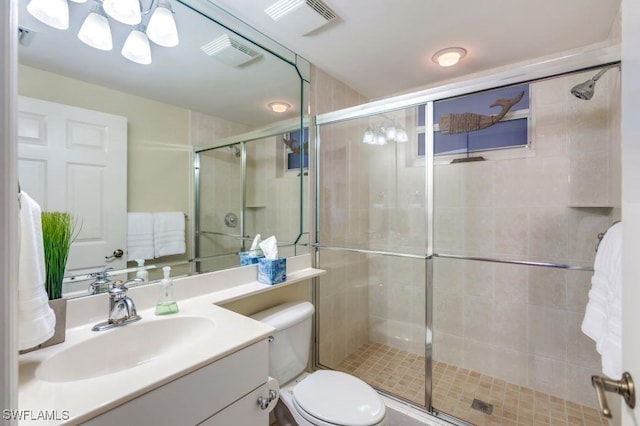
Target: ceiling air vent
230 51
301 16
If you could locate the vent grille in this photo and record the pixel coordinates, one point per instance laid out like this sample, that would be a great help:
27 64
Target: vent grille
230 50
282 8
322 9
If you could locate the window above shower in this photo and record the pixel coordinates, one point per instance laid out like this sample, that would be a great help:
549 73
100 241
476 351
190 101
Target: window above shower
471 127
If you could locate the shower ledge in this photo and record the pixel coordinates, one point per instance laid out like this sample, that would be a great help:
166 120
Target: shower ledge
255 287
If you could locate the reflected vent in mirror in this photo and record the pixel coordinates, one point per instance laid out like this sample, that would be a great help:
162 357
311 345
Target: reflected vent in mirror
230 51
301 16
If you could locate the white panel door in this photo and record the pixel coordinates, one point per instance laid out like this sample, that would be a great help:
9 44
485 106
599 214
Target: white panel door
75 160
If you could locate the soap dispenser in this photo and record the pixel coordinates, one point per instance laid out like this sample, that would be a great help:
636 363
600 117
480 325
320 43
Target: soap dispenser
166 302
143 274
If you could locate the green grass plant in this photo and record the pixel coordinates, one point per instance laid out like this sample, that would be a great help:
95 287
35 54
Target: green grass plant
57 236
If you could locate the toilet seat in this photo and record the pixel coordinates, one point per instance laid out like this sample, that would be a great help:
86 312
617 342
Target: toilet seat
329 397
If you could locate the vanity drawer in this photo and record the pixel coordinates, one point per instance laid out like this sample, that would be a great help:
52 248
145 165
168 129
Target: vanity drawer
197 396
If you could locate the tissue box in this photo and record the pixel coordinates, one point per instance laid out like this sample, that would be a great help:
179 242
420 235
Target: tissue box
272 271
249 258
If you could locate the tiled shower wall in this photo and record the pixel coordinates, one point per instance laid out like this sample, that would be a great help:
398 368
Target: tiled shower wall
218 197
344 289
522 323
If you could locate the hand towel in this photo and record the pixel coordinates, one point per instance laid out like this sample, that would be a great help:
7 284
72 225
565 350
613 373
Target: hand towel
139 236
168 233
603 315
36 320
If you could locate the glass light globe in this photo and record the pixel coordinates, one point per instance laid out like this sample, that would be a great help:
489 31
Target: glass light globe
162 27
136 48
54 13
96 32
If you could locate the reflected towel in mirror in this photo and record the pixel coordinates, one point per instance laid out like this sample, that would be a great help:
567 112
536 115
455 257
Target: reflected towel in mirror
168 233
140 236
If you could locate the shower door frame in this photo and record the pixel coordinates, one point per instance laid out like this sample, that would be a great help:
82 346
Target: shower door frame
526 73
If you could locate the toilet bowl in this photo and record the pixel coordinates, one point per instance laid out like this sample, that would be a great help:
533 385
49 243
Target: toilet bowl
321 398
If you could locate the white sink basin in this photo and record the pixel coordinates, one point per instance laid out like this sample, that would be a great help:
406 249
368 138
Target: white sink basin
126 347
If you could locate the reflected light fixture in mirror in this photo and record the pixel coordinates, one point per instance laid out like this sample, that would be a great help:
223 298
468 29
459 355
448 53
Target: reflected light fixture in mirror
125 11
136 48
95 30
162 27
385 134
54 13
279 106
449 57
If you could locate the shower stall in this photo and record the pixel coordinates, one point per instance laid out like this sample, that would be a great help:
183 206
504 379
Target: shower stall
458 263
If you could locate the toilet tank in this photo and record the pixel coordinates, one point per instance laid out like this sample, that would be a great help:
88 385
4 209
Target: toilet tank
289 350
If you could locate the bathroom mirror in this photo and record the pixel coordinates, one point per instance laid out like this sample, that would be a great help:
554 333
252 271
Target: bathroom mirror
216 83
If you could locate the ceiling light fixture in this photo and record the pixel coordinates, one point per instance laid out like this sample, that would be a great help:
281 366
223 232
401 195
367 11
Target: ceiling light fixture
96 31
449 57
279 106
54 13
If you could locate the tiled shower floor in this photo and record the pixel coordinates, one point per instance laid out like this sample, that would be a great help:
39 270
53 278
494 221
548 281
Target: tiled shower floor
454 389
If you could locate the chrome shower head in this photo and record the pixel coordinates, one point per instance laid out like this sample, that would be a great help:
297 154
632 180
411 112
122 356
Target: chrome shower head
585 90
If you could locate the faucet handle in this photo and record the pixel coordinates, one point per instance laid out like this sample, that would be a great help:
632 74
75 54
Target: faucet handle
122 285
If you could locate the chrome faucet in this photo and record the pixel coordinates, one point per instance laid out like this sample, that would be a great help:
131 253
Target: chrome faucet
101 283
122 310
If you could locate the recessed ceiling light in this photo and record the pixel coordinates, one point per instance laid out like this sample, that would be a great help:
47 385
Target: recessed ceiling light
449 56
279 106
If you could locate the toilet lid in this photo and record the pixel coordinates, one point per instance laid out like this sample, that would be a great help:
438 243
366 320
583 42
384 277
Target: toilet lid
339 398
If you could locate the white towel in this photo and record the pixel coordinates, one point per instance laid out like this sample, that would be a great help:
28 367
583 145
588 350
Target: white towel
168 233
603 315
139 236
36 320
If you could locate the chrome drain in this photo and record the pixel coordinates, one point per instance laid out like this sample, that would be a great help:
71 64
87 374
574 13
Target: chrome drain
482 406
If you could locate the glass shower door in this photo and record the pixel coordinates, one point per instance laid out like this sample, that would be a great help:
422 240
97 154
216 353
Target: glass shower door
372 241
219 207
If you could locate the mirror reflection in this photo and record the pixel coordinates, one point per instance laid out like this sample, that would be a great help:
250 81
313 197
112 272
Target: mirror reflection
101 136
272 181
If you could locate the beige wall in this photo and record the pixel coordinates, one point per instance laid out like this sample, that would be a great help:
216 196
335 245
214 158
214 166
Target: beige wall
158 136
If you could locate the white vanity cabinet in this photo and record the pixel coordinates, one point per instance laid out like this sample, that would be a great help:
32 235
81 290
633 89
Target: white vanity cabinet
222 393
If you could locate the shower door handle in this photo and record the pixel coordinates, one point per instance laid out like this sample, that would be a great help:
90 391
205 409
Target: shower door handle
623 387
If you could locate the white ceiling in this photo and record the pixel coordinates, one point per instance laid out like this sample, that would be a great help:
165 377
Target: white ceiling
384 47
378 47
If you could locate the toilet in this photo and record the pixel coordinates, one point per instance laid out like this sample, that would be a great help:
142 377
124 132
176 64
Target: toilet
322 398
